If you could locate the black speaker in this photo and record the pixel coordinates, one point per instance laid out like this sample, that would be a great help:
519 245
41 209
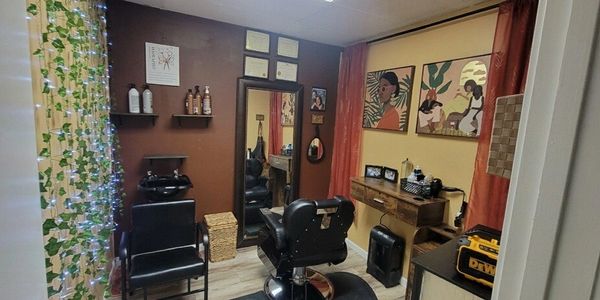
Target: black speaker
386 256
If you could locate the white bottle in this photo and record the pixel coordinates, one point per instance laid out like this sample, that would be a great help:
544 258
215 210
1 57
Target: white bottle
134 100
206 105
147 100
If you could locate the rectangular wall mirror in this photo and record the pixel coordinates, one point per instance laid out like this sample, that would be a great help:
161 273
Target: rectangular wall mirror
267 153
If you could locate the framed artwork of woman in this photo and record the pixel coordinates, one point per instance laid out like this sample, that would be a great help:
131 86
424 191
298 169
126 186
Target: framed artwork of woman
318 99
452 97
387 101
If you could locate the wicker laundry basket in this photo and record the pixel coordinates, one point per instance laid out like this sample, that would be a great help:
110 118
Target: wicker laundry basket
222 235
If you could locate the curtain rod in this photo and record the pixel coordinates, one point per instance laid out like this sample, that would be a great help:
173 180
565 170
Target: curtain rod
450 19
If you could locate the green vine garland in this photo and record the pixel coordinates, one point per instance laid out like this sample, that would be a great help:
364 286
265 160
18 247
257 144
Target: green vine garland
80 183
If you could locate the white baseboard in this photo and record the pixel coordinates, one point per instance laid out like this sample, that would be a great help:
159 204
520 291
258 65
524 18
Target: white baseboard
364 254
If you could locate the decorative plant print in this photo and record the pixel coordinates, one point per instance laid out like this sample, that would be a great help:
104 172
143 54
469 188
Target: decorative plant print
452 97
388 99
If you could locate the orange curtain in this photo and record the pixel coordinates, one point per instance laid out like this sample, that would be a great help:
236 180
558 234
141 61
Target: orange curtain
507 76
348 120
275 130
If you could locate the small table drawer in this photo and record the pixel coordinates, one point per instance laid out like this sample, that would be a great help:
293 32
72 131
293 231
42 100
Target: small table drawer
357 192
407 212
279 163
381 201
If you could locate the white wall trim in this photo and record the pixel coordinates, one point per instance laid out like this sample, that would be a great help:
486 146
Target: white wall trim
557 78
365 255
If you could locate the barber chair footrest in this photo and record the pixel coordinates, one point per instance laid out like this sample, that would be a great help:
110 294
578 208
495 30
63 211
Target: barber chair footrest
317 287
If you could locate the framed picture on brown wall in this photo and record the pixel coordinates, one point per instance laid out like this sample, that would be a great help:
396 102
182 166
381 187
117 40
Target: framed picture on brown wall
286 71
318 99
256 67
257 41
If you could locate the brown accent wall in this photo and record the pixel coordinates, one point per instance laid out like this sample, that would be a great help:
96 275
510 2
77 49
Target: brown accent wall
211 53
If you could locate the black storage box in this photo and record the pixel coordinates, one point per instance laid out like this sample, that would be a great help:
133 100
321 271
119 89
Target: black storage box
386 256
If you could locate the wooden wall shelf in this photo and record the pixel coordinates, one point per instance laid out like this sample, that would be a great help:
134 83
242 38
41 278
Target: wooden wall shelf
183 117
119 116
153 157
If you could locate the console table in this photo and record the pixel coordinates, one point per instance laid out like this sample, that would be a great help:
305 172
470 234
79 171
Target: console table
280 175
389 198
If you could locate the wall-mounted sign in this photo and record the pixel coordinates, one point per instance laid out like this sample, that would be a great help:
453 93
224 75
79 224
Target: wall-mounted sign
257 41
162 64
286 71
317 119
287 47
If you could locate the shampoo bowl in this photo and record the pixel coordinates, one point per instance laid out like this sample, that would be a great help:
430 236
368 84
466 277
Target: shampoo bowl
163 188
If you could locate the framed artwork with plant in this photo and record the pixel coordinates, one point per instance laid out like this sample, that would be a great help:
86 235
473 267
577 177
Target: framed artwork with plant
288 102
452 97
387 103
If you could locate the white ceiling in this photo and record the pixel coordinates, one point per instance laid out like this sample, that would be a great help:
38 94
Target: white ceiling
341 22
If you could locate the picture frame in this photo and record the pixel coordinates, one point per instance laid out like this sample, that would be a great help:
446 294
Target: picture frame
453 96
317 119
257 41
162 64
390 174
257 67
286 71
388 97
372 171
318 99
288 104
287 47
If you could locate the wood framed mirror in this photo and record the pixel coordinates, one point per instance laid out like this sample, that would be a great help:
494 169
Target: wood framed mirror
280 165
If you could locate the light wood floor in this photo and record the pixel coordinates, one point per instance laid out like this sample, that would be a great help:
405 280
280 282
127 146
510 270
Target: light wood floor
246 274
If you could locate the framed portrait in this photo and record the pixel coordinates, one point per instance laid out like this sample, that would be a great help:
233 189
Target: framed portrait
286 71
373 171
318 99
288 103
287 47
387 103
256 67
390 174
257 41
452 97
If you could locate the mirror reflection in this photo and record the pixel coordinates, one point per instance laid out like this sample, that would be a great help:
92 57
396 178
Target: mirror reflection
269 148
315 150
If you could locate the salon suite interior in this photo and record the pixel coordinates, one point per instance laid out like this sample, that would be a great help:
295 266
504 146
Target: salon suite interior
319 149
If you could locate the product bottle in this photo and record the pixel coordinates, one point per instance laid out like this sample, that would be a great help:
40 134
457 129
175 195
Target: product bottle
147 100
134 99
189 100
196 104
206 105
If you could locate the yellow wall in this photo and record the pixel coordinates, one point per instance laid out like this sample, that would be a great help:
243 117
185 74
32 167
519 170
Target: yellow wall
450 159
288 135
258 103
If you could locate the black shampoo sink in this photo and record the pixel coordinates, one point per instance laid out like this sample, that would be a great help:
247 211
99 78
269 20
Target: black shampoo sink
163 188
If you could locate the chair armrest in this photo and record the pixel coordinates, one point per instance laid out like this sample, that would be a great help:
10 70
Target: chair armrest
203 231
124 246
275 226
262 180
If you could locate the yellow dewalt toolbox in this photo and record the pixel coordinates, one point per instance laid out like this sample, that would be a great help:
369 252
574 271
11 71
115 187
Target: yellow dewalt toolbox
477 254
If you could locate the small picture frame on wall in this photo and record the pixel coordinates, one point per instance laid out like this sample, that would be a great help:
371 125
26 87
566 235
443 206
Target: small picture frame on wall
373 171
287 47
256 67
257 41
318 99
286 71
390 174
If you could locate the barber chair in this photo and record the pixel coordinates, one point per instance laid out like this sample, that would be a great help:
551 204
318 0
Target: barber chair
309 233
256 195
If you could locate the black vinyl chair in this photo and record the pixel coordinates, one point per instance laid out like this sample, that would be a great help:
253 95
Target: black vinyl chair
256 195
163 246
309 233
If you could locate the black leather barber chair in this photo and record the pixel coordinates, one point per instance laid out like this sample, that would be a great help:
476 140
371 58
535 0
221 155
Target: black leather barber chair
163 246
309 233
256 195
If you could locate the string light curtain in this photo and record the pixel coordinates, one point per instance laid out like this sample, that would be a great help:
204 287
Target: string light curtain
75 144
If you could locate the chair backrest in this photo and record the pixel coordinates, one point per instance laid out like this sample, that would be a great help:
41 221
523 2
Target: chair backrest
253 170
163 225
316 230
